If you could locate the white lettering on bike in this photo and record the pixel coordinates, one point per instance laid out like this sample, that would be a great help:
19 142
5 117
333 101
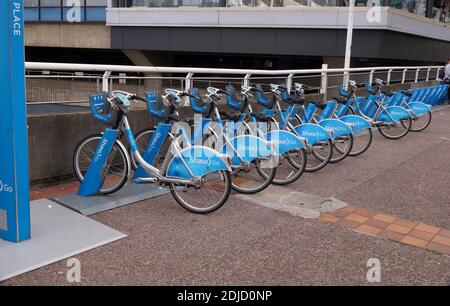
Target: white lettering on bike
5 187
100 150
203 161
17 26
312 134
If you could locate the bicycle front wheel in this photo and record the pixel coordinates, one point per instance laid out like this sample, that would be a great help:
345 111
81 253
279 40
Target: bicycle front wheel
210 196
115 170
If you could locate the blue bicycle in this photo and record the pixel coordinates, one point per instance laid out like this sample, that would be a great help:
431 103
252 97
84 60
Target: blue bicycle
198 177
288 147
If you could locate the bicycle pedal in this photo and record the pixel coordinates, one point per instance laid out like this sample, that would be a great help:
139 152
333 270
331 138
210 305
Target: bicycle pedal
145 180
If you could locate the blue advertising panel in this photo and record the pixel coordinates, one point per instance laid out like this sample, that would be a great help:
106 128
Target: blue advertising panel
14 183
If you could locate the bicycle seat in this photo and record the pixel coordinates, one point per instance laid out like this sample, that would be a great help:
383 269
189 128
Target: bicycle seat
230 116
340 100
292 98
320 104
177 118
407 93
262 117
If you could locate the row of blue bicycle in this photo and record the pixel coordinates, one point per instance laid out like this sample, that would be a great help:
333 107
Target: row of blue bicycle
204 157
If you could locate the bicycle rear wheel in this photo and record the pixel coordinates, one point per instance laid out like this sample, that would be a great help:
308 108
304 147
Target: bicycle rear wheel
291 166
396 130
319 154
420 123
252 178
342 146
116 168
210 196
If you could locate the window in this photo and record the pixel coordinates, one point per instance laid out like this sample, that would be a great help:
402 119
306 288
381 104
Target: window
61 10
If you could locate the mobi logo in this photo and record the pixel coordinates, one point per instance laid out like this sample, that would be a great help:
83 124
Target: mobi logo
100 150
5 187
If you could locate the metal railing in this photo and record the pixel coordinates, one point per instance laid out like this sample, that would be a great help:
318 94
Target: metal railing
72 83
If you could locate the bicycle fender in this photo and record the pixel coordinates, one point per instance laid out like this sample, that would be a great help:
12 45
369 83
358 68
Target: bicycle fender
284 141
248 148
419 108
338 127
358 123
312 133
395 112
93 179
200 160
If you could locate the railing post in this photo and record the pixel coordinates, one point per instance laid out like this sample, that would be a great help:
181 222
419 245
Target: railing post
247 79
404 76
188 86
371 76
105 81
428 74
437 73
417 75
324 81
389 74
289 82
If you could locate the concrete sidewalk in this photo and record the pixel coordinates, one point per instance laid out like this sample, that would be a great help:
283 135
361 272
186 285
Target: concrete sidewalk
248 244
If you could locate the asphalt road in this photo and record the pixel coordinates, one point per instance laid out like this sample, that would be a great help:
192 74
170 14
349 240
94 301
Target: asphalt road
248 244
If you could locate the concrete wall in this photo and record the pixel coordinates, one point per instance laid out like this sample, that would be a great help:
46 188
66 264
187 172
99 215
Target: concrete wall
54 137
68 35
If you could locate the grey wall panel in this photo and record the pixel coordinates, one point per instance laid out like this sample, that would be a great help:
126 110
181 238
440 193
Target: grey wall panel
195 39
253 41
298 42
307 42
147 38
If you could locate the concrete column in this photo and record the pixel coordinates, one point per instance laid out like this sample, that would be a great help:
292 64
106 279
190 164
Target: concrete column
139 58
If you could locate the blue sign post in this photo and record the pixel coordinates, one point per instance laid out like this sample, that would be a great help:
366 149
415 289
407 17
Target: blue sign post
14 182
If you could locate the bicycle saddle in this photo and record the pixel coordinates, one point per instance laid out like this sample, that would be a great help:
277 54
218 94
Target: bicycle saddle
340 100
261 117
230 116
407 93
177 118
320 104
